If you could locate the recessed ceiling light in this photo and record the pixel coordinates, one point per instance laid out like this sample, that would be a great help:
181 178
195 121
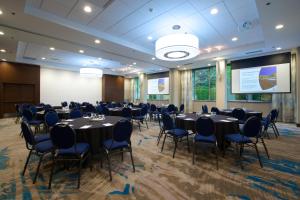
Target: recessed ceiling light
209 64
87 9
2 50
81 51
184 68
149 38
219 47
3 59
43 58
153 58
99 58
1 33
52 48
1 12
278 48
214 11
279 26
134 63
208 49
130 65
160 69
235 39
178 66
97 41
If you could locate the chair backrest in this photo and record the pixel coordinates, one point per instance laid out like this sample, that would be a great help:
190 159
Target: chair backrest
33 110
47 107
274 114
141 105
267 122
239 113
144 110
51 118
90 108
168 123
105 111
171 108
181 108
126 112
27 133
64 104
204 109
75 113
215 110
130 104
152 107
252 127
27 114
122 131
62 136
99 109
205 126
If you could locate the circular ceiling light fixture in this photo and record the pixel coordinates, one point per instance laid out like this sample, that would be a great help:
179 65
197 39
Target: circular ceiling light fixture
91 72
177 47
87 9
176 27
214 11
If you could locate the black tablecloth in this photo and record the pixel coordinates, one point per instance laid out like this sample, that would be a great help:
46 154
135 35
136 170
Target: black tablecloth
118 111
96 133
249 113
62 114
224 124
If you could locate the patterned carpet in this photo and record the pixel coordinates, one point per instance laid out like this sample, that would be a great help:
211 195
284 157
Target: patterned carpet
158 175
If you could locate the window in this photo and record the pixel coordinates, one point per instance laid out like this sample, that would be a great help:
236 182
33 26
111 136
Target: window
204 84
243 97
158 96
136 86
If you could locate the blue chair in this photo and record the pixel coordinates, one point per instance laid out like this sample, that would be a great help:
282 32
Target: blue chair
29 118
154 113
169 129
51 118
89 109
181 108
99 109
171 109
274 116
205 133
126 112
215 110
141 118
161 128
64 104
240 114
119 143
75 113
204 109
248 136
39 145
66 148
106 111
33 110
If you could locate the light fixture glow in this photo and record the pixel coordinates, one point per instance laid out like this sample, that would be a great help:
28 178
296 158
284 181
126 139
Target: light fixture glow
153 58
97 41
1 12
1 33
279 26
99 58
134 63
2 50
43 58
278 48
52 48
184 68
81 51
219 47
214 11
87 9
208 50
177 47
209 64
149 38
235 39
3 59
91 72
178 66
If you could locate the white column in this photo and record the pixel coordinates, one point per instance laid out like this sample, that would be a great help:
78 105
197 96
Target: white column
143 88
221 89
175 90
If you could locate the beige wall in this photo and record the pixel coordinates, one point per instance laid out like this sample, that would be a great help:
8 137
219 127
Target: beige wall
127 91
221 90
197 105
159 102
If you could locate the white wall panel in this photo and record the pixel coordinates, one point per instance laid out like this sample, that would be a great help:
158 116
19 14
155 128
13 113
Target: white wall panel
59 85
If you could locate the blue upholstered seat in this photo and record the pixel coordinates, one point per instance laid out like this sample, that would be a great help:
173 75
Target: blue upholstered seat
44 146
237 138
178 132
78 148
111 145
41 137
202 138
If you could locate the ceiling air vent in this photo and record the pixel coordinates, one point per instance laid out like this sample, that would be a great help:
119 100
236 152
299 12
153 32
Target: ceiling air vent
253 52
28 58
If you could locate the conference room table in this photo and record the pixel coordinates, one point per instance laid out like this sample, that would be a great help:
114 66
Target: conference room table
135 111
93 130
249 113
223 124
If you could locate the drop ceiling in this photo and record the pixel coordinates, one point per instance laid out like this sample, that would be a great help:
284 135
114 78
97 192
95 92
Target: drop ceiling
123 27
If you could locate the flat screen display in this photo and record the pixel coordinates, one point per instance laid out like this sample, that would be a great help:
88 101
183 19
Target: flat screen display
263 79
158 86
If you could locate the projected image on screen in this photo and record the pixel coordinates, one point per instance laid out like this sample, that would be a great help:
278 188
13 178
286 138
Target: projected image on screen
268 77
158 86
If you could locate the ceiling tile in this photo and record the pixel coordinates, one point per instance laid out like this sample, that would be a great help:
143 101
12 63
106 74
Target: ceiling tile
58 7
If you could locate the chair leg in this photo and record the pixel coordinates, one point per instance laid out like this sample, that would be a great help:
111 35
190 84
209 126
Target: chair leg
79 173
257 153
132 159
194 151
175 140
265 147
139 123
38 169
51 174
216 152
162 147
26 163
109 166
159 136
276 129
275 133
188 144
146 123
240 156
122 155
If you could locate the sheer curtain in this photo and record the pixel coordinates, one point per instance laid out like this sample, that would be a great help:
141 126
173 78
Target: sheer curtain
132 89
174 76
286 103
186 90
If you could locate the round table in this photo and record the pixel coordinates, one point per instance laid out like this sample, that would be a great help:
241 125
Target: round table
62 114
249 113
93 132
118 111
223 124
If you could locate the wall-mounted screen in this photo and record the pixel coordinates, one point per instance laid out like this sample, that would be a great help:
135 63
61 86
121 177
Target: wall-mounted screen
263 79
158 86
